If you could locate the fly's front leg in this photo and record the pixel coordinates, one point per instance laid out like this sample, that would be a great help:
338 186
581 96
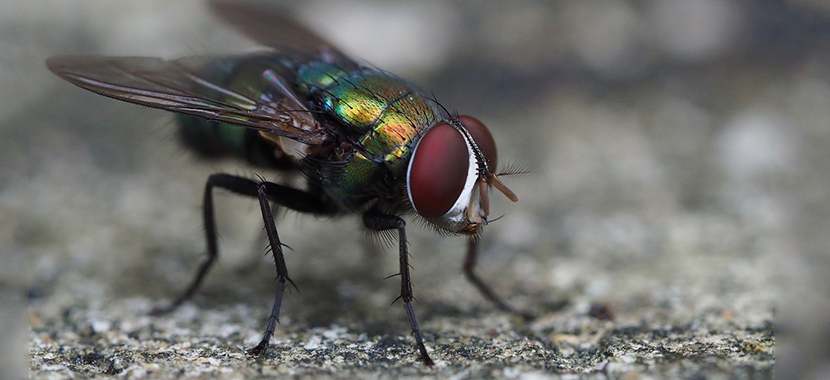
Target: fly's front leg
469 266
382 222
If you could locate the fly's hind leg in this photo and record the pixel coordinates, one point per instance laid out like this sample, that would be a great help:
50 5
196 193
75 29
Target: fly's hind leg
266 192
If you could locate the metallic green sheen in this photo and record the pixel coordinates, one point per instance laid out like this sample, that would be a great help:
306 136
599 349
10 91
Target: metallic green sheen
380 114
383 114
319 75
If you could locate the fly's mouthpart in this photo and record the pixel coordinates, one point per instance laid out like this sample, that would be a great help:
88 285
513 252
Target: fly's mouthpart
498 184
474 228
484 197
484 183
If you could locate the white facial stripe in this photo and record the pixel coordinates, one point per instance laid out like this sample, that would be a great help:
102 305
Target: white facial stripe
456 217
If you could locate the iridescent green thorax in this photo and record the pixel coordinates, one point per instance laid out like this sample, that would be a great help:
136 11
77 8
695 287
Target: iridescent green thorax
382 114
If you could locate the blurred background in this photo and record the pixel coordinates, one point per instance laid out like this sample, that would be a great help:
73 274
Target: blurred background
679 154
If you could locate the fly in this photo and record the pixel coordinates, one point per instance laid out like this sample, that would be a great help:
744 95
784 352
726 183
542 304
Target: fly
366 141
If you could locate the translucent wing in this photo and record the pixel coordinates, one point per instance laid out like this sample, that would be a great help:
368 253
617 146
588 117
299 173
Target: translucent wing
271 27
187 86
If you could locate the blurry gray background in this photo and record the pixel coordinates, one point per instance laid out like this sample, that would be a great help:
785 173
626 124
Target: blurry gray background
679 175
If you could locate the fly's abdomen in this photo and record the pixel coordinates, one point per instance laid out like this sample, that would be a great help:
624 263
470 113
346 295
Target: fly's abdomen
210 139
214 139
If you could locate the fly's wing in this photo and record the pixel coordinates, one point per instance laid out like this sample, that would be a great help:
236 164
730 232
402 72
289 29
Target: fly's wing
271 27
185 86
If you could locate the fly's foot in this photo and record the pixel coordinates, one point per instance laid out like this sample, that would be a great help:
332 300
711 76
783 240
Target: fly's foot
258 350
163 310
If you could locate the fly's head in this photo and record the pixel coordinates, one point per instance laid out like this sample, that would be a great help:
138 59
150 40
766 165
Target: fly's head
450 174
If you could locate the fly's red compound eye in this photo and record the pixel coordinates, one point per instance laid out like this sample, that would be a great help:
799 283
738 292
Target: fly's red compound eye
438 171
483 139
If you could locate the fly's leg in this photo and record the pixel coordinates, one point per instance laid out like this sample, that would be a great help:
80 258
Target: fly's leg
208 218
282 270
382 222
266 192
297 200
469 266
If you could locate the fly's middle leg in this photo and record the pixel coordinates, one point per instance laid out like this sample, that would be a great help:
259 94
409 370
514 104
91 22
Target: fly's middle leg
265 192
378 221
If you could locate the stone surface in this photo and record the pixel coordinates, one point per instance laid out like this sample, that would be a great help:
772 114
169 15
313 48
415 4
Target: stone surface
676 201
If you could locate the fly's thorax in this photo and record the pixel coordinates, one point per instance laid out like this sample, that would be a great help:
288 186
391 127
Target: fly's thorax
353 178
382 116
319 75
378 111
